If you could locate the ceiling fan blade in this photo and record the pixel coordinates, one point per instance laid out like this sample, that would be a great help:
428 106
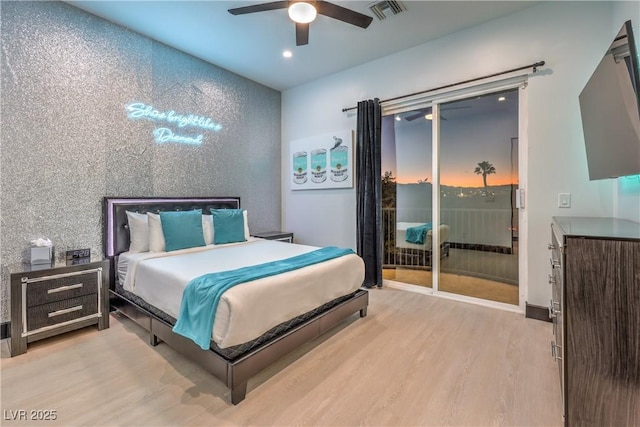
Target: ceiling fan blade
418 114
413 117
302 34
259 7
343 14
422 112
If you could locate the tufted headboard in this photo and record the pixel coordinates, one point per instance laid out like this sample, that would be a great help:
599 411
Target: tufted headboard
116 233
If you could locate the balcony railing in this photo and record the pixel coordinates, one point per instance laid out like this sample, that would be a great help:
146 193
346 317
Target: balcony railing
488 230
393 255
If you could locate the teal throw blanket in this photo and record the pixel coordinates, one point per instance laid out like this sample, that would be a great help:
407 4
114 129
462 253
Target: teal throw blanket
202 294
417 234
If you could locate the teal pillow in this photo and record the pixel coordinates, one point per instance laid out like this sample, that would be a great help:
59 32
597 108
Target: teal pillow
182 229
228 226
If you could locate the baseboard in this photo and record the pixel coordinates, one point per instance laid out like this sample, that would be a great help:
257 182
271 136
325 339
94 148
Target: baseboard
536 312
5 330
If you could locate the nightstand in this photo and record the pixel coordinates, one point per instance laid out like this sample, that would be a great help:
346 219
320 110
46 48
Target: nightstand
53 299
282 236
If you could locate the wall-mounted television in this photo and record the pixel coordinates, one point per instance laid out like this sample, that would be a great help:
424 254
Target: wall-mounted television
610 109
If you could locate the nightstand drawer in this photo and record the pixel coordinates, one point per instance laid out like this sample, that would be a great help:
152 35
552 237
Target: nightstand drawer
60 288
61 311
282 236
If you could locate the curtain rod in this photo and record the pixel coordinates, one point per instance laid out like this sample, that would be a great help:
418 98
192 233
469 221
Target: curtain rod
534 66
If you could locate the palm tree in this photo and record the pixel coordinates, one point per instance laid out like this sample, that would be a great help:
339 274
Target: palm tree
484 168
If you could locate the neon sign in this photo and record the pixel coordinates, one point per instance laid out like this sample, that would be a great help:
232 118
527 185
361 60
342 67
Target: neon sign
630 184
161 135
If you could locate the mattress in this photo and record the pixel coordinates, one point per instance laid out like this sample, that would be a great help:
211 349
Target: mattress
401 231
248 310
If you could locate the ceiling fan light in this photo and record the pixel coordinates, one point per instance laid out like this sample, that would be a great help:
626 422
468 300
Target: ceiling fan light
302 12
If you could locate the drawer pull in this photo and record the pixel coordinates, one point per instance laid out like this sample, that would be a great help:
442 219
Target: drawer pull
65 311
552 280
555 349
65 288
553 311
551 246
554 263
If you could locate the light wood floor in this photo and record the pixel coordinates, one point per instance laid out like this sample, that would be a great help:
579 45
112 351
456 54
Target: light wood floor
415 360
456 284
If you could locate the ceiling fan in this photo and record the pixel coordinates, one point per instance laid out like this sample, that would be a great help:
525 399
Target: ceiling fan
304 12
424 112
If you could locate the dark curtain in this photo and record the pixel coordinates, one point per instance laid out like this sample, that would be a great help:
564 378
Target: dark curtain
368 190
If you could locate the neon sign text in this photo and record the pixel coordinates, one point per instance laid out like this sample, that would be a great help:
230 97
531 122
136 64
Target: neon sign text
162 135
139 110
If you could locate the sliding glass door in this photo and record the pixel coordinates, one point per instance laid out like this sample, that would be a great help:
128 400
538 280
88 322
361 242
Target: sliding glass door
478 182
407 190
474 248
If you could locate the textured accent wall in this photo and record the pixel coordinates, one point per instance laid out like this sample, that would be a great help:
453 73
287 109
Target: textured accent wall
67 141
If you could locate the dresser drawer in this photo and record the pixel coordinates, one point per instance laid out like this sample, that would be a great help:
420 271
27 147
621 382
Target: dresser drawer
61 288
61 311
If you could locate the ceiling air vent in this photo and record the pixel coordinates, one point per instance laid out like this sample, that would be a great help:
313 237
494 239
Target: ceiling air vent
384 9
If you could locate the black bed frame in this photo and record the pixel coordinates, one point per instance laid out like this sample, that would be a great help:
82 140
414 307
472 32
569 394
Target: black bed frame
236 372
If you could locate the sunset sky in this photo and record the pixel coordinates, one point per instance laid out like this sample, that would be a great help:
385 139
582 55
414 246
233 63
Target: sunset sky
464 179
465 142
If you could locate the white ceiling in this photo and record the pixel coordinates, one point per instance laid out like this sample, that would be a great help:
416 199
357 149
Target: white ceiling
251 45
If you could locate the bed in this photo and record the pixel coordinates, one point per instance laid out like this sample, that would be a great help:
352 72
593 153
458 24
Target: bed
247 335
420 253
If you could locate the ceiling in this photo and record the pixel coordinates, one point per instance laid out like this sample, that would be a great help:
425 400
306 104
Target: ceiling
251 45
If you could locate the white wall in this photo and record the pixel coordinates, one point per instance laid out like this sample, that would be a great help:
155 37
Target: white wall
570 36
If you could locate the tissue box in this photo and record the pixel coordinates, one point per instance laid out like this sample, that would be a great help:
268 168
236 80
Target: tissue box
41 254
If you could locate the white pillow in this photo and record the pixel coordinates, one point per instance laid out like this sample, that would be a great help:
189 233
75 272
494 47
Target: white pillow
246 226
138 232
207 228
156 235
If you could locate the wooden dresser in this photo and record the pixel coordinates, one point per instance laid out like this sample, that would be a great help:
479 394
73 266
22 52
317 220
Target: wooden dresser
595 308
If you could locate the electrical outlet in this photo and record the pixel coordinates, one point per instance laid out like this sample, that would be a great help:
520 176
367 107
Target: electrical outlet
564 200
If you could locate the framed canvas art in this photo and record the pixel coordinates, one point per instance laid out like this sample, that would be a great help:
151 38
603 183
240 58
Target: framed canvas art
322 161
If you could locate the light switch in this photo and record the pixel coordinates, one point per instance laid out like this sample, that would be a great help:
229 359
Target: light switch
564 200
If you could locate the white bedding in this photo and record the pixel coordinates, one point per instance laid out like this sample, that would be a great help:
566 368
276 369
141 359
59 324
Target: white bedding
401 231
248 310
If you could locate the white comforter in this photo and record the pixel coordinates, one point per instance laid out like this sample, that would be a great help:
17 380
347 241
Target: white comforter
248 310
401 232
